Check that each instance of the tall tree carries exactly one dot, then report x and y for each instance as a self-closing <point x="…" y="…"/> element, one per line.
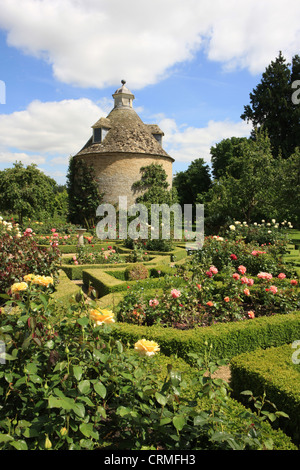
<point x="249" y="192"/>
<point x="83" y="193"/>
<point x="26" y="191"/>
<point x="271" y="106"/>
<point x="192" y="182"/>
<point x="223" y="153"/>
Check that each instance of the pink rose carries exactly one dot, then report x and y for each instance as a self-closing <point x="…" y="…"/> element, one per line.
<point x="242" y="269"/>
<point x="213" y="270"/>
<point x="264" y="276"/>
<point x="175" y="293"/>
<point x="153" y="302"/>
<point x="236" y="276"/>
<point x="281" y="276"/>
<point x="294" y="282"/>
<point x="251" y="314"/>
<point x="250" y="282"/>
<point x="244" y="280"/>
<point x="273" y="289"/>
<point x="246" y="291"/>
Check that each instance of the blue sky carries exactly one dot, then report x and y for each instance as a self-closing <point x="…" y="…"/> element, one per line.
<point x="191" y="66"/>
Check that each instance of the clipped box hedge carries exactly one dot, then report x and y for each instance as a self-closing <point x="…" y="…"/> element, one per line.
<point x="75" y="272"/>
<point x="105" y="283"/>
<point x="65" y="289"/>
<point x="227" y="340"/>
<point x="274" y="372"/>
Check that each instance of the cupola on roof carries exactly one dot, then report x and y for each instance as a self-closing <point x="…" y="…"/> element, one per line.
<point x="123" y="96"/>
<point x="123" y="131"/>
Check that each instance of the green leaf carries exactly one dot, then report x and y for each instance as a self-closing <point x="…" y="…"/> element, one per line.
<point x="6" y="438"/>
<point x="164" y="421"/>
<point x="19" y="445"/>
<point x="162" y="400"/>
<point x="87" y="430"/>
<point x="100" y="389"/>
<point x="77" y="371"/>
<point x="179" y="422"/>
<point x="101" y="411"/>
<point x="123" y="411"/>
<point x="84" y="387"/>
<point x="79" y="409"/>
<point x="84" y="321"/>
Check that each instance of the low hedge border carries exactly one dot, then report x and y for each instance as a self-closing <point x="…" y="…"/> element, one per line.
<point x="105" y="283"/>
<point x="272" y="371"/>
<point x="227" y="340"/>
<point x="65" y="289"/>
<point x="75" y="272"/>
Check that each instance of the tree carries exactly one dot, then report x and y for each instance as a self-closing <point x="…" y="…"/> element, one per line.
<point x="26" y="191"/>
<point x="153" y="186"/>
<point x="287" y="189"/>
<point x="250" y="192"/>
<point x="192" y="182"/>
<point x="223" y="153"/>
<point x="271" y="106"/>
<point x="83" y="193"/>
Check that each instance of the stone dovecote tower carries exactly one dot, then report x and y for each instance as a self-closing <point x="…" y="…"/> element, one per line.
<point x="120" y="145"/>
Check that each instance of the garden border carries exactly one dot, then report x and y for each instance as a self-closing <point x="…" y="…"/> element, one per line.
<point x="226" y="340"/>
<point x="266" y="371"/>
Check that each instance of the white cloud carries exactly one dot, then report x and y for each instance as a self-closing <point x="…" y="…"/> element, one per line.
<point x="58" y="128"/>
<point x="185" y="144"/>
<point x="95" y="43"/>
<point x="12" y="157"/>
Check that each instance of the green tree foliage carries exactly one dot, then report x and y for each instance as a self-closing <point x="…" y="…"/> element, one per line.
<point x="271" y="106"/>
<point x="248" y="189"/>
<point x="83" y="193"/>
<point x="153" y="186"/>
<point x="287" y="189"/>
<point x="192" y="182"/>
<point x="26" y="191"/>
<point x="223" y="153"/>
<point x="61" y="202"/>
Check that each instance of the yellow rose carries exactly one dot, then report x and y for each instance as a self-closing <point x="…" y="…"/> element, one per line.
<point x="19" y="286"/>
<point x="146" y="347"/>
<point x="29" y="277"/>
<point x="102" y="316"/>
<point x="43" y="280"/>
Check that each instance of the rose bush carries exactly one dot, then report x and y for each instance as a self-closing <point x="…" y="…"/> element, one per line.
<point x="210" y="296"/>
<point x="20" y="255"/>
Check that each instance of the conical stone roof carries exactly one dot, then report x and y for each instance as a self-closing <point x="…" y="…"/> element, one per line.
<point x="126" y="132"/>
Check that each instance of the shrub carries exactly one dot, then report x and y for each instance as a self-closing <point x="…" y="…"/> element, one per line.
<point x="272" y="372"/>
<point x="139" y="271"/>
<point x="20" y="255"/>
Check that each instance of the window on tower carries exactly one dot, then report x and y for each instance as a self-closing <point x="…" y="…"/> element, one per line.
<point x="99" y="134"/>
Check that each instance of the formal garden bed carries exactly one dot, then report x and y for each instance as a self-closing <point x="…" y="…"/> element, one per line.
<point x="77" y="365"/>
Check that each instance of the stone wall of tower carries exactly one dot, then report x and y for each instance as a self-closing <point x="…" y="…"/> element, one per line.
<point x="116" y="173"/>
